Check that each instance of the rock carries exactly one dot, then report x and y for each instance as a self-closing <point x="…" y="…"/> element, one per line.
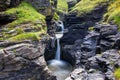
<point x="108" y="30"/>
<point x="25" y="61"/>
<point x="71" y="3"/>
<point x="8" y="3"/>
<point x="5" y="18"/>
<point x="96" y="77"/>
<point x="44" y="6"/>
<point x="113" y="57"/>
<point x="78" y="74"/>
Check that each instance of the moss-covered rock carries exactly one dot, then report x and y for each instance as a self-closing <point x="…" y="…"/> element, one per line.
<point x="86" y="6"/>
<point x="62" y="6"/>
<point x="25" y="13"/>
<point x="29" y="24"/>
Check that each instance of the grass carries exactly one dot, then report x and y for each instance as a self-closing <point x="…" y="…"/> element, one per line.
<point x="117" y="74"/>
<point x="25" y="13"/>
<point x="26" y="36"/>
<point x="113" y="13"/>
<point x="86" y="6"/>
<point x="27" y="16"/>
<point x="62" y="6"/>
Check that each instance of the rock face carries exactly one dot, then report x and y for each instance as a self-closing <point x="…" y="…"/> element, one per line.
<point x="4" y="4"/>
<point x="78" y="25"/>
<point x="24" y="61"/>
<point x="96" y="54"/>
<point x="44" y="6"/>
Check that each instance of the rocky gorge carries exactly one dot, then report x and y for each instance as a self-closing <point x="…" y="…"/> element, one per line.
<point x="27" y="39"/>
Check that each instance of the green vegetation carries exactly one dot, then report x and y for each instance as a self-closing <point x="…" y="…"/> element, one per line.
<point x="117" y="74"/>
<point x="113" y="13"/>
<point x="62" y="6"/>
<point x="26" y="36"/>
<point x="56" y="16"/>
<point x="86" y="6"/>
<point x="91" y="28"/>
<point x="25" y="13"/>
<point x="27" y="18"/>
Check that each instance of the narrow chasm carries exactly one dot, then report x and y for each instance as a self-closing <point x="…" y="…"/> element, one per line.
<point x="61" y="64"/>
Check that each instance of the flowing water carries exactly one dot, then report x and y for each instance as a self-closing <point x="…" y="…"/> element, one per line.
<point x="61" y="69"/>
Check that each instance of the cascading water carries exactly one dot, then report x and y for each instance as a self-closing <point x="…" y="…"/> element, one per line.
<point x="58" y="35"/>
<point x="60" y="68"/>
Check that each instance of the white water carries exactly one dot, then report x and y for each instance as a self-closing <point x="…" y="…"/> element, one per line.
<point x="60" y="68"/>
<point x="58" y="36"/>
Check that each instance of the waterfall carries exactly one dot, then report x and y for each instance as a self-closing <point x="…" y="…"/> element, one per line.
<point x="58" y="35"/>
<point x="61" y="69"/>
<point x="58" y="50"/>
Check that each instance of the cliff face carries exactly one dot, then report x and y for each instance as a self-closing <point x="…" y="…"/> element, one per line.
<point x="23" y="39"/>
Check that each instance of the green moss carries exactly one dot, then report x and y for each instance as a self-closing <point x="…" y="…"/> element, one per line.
<point x="91" y="28"/>
<point x="56" y="16"/>
<point x="117" y="74"/>
<point x="26" y="36"/>
<point x="86" y="6"/>
<point x="27" y="17"/>
<point x="62" y="6"/>
<point x="113" y="13"/>
<point x="25" y="13"/>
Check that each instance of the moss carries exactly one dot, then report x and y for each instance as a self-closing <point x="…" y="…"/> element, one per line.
<point x="62" y="6"/>
<point x="86" y="6"/>
<point x="117" y="74"/>
<point x="26" y="36"/>
<point x="25" y="13"/>
<point x="56" y="16"/>
<point x="91" y="28"/>
<point x="27" y="17"/>
<point x="113" y="13"/>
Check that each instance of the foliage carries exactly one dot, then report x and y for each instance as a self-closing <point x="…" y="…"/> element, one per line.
<point x="117" y="74"/>
<point x="113" y="13"/>
<point x="86" y="6"/>
<point x="62" y="6"/>
<point x="25" y="13"/>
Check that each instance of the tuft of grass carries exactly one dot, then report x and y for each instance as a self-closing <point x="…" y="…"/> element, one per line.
<point x="117" y="74"/>
<point x="113" y="13"/>
<point x="86" y="6"/>
<point x="25" y="13"/>
<point x="62" y="6"/>
<point x="26" y="36"/>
